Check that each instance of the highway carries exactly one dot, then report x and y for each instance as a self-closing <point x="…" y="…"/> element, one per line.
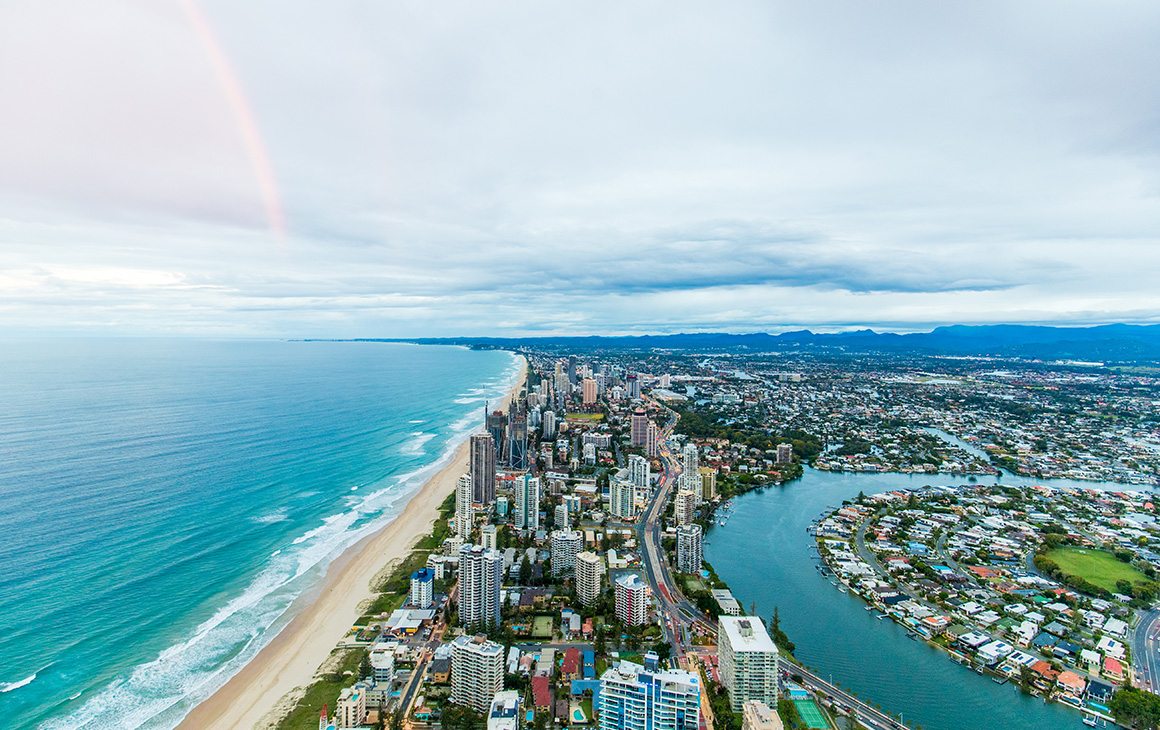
<point x="1146" y="649"/>
<point x="678" y="613"/>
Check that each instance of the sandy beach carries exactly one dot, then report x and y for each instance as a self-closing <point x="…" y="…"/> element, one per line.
<point x="292" y="658"/>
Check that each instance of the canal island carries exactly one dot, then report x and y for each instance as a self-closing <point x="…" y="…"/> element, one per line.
<point x="1049" y="590"/>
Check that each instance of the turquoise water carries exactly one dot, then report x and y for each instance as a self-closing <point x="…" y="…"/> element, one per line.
<point x="763" y="553"/>
<point x="163" y="502"/>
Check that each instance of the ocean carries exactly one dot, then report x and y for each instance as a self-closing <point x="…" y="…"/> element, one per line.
<point x="162" y="502"/>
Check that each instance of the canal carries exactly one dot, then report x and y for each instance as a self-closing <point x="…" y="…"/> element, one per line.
<point x="763" y="553"/>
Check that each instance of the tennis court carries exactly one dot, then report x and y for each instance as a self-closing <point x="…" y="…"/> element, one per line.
<point x="811" y="715"/>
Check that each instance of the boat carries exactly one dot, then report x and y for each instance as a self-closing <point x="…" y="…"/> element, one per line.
<point x="842" y="589"/>
<point x="999" y="680"/>
<point x="881" y="616"/>
<point x="1089" y="721"/>
<point x="869" y="608"/>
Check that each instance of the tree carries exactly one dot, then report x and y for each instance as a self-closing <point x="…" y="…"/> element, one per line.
<point x="364" y="666"/>
<point x="525" y="571"/>
<point x="1026" y="677"/>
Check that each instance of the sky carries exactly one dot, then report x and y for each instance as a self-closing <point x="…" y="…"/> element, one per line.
<point x="403" y="169"/>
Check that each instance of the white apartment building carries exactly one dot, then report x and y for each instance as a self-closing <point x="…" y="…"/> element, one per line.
<point x="476" y="672"/>
<point x="566" y="545"/>
<point x="589" y="569"/>
<point x="634" y="698"/>
<point x="632" y="600"/>
<point x="747" y="661"/>
<point x="480" y="581"/>
<point x="690" y="541"/>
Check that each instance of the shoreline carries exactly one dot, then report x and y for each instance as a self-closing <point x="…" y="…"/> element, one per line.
<point x="292" y="658"/>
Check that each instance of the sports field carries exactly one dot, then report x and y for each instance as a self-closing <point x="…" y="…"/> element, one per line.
<point x="811" y="715"/>
<point x="542" y="627"/>
<point x="1095" y="566"/>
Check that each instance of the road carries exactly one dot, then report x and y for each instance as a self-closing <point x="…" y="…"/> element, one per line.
<point x="1146" y="649"/>
<point x="864" y="713"/>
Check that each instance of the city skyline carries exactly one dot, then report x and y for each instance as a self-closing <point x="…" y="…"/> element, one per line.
<point x="200" y="168"/>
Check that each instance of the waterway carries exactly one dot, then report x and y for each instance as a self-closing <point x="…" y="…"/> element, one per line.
<point x="763" y="553"/>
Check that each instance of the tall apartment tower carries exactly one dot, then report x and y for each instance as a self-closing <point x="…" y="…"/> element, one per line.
<point x="685" y="506"/>
<point x="489" y="537"/>
<point x="589" y="569"/>
<point x="480" y="580"/>
<point x="527" y="514"/>
<point x="632" y="599"/>
<point x="476" y="671"/>
<point x="785" y="453"/>
<point x="639" y="431"/>
<point x="708" y="483"/>
<point x="623" y="499"/>
<point x="422" y="588"/>
<point x="632" y="384"/>
<point x="464" y="507"/>
<point x="548" y="425"/>
<point x="650" y="443"/>
<point x="633" y="697"/>
<point x="639" y="471"/>
<point x="483" y="468"/>
<point x="690" y="542"/>
<point x="589" y="391"/>
<point x="747" y="660"/>
<point x="572" y="369"/>
<point x="566" y="545"/>
<point x="690" y="474"/>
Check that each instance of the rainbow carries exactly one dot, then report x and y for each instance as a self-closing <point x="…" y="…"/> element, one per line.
<point x="247" y="122"/>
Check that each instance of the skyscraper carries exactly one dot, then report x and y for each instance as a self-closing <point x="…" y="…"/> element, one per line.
<point x="708" y="482"/>
<point x="480" y="580"/>
<point x="518" y="441"/>
<point x="548" y="425"/>
<point x="690" y="476"/>
<point x="747" y="660"/>
<point x="483" y="468"/>
<point x="633" y="697"/>
<point x="566" y="545"/>
<point x="632" y="599"/>
<point x="476" y="671"/>
<point x="572" y="369"/>
<point x="623" y="503"/>
<point x="464" y="507"/>
<point x="785" y="453"/>
<point x="650" y="442"/>
<point x="589" y="391"/>
<point x="589" y="569"/>
<point x="685" y="506"/>
<point x="632" y="385"/>
<point x="639" y="471"/>
<point x="497" y="427"/>
<point x="639" y="427"/>
<point x="527" y="514"/>
<point x="689" y="546"/>
<point x="489" y="537"/>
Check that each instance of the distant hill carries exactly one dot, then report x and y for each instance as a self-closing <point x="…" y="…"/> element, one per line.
<point x="1105" y="343"/>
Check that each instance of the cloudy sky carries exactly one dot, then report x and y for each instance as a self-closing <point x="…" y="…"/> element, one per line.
<point x="283" y="168"/>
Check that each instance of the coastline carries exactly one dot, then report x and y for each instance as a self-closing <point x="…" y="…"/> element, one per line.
<point x="292" y="658"/>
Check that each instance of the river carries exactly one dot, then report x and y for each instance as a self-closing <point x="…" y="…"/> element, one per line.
<point x="763" y="553"/>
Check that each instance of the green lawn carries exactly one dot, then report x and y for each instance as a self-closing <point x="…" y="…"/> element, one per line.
<point x="1095" y="566"/>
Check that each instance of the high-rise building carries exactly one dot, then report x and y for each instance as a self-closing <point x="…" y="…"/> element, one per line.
<point x="651" y="439"/>
<point x="639" y="427"/>
<point x="589" y="569"/>
<point x="632" y="600"/>
<point x="476" y="671"/>
<point x="635" y="698"/>
<point x="689" y="545"/>
<point x="480" y="580"/>
<point x="422" y="588"/>
<point x="666" y="380"/>
<point x="623" y="502"/>
<point x="572" y="369"/>
<point x="747" y="660"/>
<point x="708" y="483"/>
<point x="639" y="471"/>
<point x="562" y="520"/>
<point x="785" y="453"/>
<point x="483" y="468"/>
<point x="632" y="385"/>
<point x="566" y="545"/>
<point x="685" y="506"/>
<point x="548" y="425"/>
<point x="352" y="707"/>
<point x="527" y="512"/>
<point x="464" y="507"/>
<point x="589" y="391"/>
<point x="497" y="427"/>
<point x="489" y="537"/>
<point x="690" y="476"/>
<point x="517" y="451"/>
<point x="756" y="715"/>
